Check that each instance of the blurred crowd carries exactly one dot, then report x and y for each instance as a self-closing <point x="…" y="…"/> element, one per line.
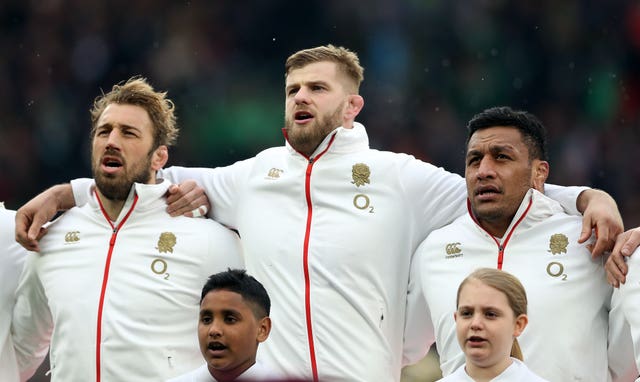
<point x="430" y="65"/>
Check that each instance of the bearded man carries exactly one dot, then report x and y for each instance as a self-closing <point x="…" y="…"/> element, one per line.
<point x="116" y="286"/>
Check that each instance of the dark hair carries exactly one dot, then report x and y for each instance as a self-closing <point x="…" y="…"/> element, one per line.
<point x="238" y="281"/>
<point x="533" y="132"/>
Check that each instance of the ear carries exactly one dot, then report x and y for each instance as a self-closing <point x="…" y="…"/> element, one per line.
<point x="264" y="328"/>
<point x="521" y="323"/>
<point x="539" y="174"/>
<point x="455" y="316"/>
<point x="159" y="157"/>
<point x="354" y="105"/>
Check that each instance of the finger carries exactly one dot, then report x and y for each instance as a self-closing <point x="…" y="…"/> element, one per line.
<point x="585" y="233"/>
<point x="173" y="194"/>
<point x="603" y="242"/>
<point x="618" y="267"/>
<point x="630" y="244"/>
<point x="198" y="212"/>
<point x="612" y="280"/>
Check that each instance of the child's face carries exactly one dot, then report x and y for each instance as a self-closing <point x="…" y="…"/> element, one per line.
<point x="485" y="325"/>
<point x="229" y="333"/>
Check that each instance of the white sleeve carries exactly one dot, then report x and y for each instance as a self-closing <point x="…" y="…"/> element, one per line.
<point x="566" y="196"/>
<point x="222" y="185"/>
<point x="436" y="196"/>
<point x="82" y="188"/>
<point x="418" y="329"/>
<point x="32" y="324"/>
<point x="626" y="302"/>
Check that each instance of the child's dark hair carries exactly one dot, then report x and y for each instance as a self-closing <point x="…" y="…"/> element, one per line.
<point x="238" y="281"/>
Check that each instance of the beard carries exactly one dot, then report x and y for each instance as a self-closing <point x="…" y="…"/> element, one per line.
<point x="117" y="186"/>
<point x="307" y="138"/>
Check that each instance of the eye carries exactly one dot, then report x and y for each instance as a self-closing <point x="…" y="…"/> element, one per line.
<point x="230" y="319"/>
<point x="317" y="88"/>
<point x="503" y="157"/>
<point x="206" y="320"/>
<point x="102" y="132"/>
<point x="292" y="91"/>
<point x="465" y="313"/>
<point x="472" y="160"/>
<point x="491" y="314"/>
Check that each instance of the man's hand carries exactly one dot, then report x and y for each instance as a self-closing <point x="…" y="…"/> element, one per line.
<point x="32" y="216"/>
<point x="188" y="199"/>
<point x="600" y="212"/>
<point x="616" y="267"/>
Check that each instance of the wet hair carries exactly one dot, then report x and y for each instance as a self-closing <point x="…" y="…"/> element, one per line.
<point x="238" y="281"/>
<point x="348" y="62"/>
<point x="509" y="285"/>
<point x="533" y="132"/>
<point x="138" y="92"/>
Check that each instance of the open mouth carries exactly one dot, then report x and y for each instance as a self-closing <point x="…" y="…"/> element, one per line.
<point x="216" y="346"/>
<point x="302" y="116"/>
<point x="475" y="340"/>
<point x="487" y="190"/>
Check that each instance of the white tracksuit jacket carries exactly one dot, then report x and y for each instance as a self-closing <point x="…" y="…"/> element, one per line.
<point x="12" y="257"/>
<point x="627" y="299"/>
<point x="331" y="239"/>
<point x="569" y="298"/>
<point x="120" y="301"/>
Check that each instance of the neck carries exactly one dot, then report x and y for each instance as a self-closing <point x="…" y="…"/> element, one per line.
<point x="497" y="229"/>
<point x="111" y="207"/>
<point x="486" y="374"/>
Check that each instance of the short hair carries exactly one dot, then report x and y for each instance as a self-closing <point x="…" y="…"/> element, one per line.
<point x="137" y="91"/>
<point x="533" y="132"/>
<point x="348" y="61"/>
<point x="506" y="283"/>
<point x="238" y="281"/>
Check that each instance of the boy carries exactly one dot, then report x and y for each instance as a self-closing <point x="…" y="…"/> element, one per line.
<point x="234" y="319"/>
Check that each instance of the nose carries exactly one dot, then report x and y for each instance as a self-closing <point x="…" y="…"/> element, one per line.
<point x="215" y="329"/>
<point x="113" y="140"/>
<point x="301" y="96"/>
<point x="486" y="168"/>
<point x="476" y="322"/>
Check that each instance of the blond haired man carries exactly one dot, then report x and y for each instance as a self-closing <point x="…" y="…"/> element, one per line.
<point x="116" y="284"/>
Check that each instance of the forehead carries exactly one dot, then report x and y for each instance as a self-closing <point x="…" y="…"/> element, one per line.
<point x="221" y="299"/>
<point x="125" y="114"/>
<point x="323" y="71"/>
<point x="496" y="135"/>
<point x="476" y="293"/>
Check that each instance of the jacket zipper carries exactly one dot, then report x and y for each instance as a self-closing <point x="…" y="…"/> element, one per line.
<point x="105" y="277"/>
<point x="503" y="245"/>
<point x="305" y="259"/>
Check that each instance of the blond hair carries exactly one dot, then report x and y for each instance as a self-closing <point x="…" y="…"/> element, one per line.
<point x="347" y="61"/>
<point x="137" y="91"/>
<point x="508" y="284"/>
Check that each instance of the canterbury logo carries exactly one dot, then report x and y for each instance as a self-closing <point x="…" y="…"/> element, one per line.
<point x="452" y="248"/>
<point x="274" y="173"/>
<point x="72" y="237"/>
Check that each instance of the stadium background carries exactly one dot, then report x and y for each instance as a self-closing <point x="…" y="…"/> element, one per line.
<point x="430" y="65"/>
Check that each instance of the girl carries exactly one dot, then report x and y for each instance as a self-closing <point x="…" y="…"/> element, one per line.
<point x="491" y="313"/>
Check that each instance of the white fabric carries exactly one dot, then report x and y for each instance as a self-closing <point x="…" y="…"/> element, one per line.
<point x="627" y="298"/>
<point x="12" y="257"/>
<point x="151" y="303"/>
<point x="257" y="372"/>
<point x="516" y="372"/>
<point x="567" y="335"/>
<point x="361" y="236"/>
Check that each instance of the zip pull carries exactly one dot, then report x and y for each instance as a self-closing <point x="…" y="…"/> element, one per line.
<point x="500" y="256"/>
